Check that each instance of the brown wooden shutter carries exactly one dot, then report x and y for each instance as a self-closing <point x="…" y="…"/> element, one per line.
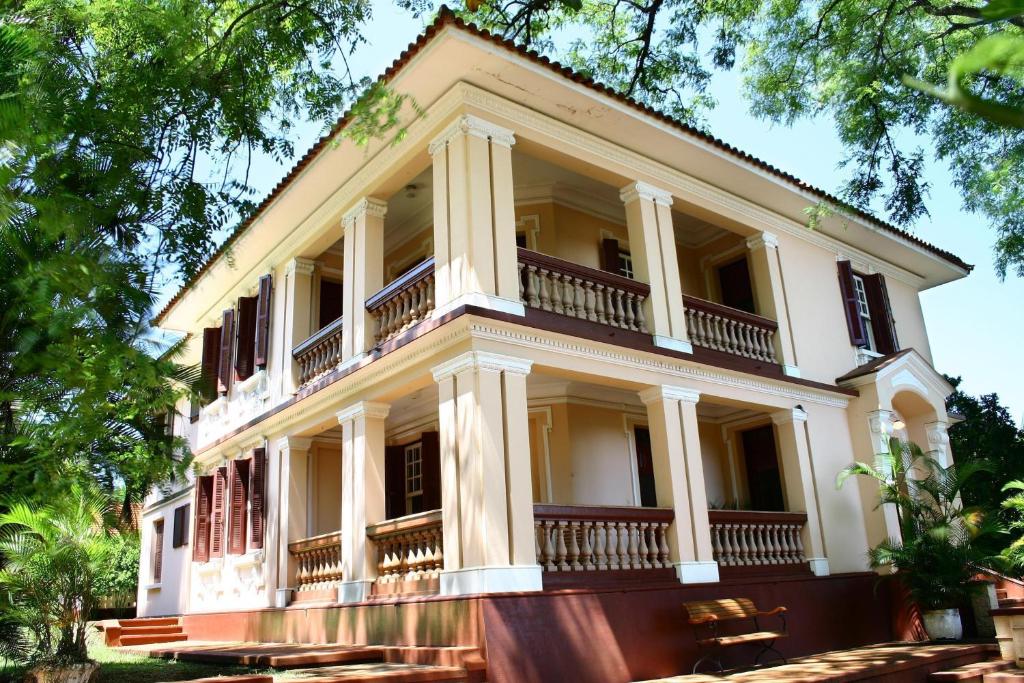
<point x="610" y="255"/>
<point x="217" y="512"/>
<point x="394" y="481"/>
<point x="263" y="320"/>
<point x="258" y="492"/>
<point x="227" y="339"/>
<point x="158" y="550"/>
<point x="204" y="502"/>
<point x="179" y="534"/>
<point x="858" y="335"/>
<point x="239" y="478"/>
<point x="210" y="362"/>
<point x="882" y="321"/>
<point x="245" y="337"/>
<point x="431" y="452"/>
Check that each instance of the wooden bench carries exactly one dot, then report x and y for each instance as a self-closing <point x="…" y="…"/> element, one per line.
<point x="707" y="615"/>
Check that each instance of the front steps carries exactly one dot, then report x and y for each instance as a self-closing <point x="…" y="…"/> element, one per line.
<point x="979" y="672"/>
<point x="128" y="632"/>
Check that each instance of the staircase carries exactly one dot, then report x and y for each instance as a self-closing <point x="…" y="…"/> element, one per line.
<point x="991" y="671"/>
<point x="125" y="632"/>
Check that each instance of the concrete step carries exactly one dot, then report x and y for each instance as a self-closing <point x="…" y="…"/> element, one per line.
<point x="277" y="656"/>
<point x="150" y="630"/>
<point x="1008" y="676"/>
<point x="128" y="640"/>
<point x="382" y="673"/>
<point x="249" y="678"/>
<point x="149" y="621"/>
<point x="970" y="673"/>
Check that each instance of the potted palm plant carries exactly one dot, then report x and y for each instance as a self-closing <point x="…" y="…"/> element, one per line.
<point x="52" y="555"/>
<point x="935" y="556"/>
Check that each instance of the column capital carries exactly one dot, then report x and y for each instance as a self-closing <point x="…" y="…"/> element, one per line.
<point x="365" y="409"/>
<point x="302" y="266"/>
<point x="881" y="421"/>
<point x="370" y="206"/>
<point x="783" y="417"/>
<point x="482" y="360"/>
<point x="937" y="433"/>
<point x="294" y="443"/>
<point x="467" y="124"/>
<point x="669" y="393"/>
<point x="763" y="240"/>
<point x="641" y="190"/>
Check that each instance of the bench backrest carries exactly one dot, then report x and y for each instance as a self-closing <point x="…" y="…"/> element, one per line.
<point x="723" y="610"/>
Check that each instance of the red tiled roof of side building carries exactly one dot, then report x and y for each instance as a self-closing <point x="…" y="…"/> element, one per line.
<point x="446" y="17"/>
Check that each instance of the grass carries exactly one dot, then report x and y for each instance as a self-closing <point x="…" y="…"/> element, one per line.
<point x="122" y="667"/>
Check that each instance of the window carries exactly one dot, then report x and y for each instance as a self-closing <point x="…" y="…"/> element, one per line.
<point x="179" y="533"/>
<point x="413" y="478"/>
<point x="625" y="264"/>
<point x="157" y="557"/>
<point x="864" y="310"/>
<point x="521" y="240"/>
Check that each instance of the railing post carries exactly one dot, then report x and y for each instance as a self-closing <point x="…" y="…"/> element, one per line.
<point x="362" y="494"/>
<point x="292" y="467"/>
<point x="770" y="295"/>
<point x="679" y="479"/>
<point x="652" y="245"/>
<point x="364" y="274"/>
<point x="474" y="217"/>
<point x="485" y="470"/>
<point x="800" y="487"/>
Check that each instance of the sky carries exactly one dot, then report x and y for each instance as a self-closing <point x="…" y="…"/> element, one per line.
<point x="975" y="325"/>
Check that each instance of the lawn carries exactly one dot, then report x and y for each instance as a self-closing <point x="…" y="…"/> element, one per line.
<point x="121" y="667"/>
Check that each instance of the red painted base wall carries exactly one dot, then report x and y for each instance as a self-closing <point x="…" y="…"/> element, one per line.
<point x="607" y="635"/>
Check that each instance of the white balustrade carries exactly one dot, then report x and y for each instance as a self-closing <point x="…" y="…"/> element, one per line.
<point x="318" y="562"/>
<point x="403" y="303"/>
<point x="320" y="353"/>
<point x="409" y="548"/>
<point x="721" y="328"/>
<point x="578" y="538"/>
<point x="551" y="284"/>
<point x="748" y="539"/>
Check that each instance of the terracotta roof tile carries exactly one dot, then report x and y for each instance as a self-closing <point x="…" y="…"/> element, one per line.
<point x="445" y="18"/>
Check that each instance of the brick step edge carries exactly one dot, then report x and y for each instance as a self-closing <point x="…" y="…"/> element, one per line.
<point x="253" y="678"/>
<point x="970" y="673"/>
<point x="149" y="621"/>
<point x="151" y="639"/>
<point x="149" y="630"/>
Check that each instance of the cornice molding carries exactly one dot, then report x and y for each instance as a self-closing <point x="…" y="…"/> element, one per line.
<point x="367" y="206"/>
<point x="467" y="124"/>
<point x="667" y="392"/>
<point x="783" y="417"/>
<point x="763" y="240"/>
<point x="292" y="443"/>
<point x="481" y="360"/>
<point x="371" y="410"/>
<point x="641" y="190"/>
<point x="302" y="266"/>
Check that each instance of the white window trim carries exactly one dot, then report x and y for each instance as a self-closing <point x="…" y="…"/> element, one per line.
<point x="416" y="450"/>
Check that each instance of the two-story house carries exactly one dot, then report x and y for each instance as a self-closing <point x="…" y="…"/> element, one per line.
<point x="532" y="375"/>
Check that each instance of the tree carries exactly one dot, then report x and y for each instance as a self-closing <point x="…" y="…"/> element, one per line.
<point x="848" y="60"/>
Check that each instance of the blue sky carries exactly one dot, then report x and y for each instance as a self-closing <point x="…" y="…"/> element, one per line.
<point x="976" y="325"/>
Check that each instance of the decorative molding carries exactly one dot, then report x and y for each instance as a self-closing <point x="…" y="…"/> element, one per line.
<point x="302" y="266"/>
<point x="367" y="206"/>
<point x="765" y="239"/>
<point x="467" y="124"/>
<point x="937" y="434"/>
<point x="364" y="409"/>
<point x="481" y="360"/>
<point x="670" y="393"/>
<point x="782" y="417"/>
<point x="530" y="225"/>
<point x="294" y="443"/>
<point x="641" y="190"/>
<point x="572" y="197"/>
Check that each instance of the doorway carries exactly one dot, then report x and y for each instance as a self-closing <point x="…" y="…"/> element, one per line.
<point x="645" y="467"/>
<point x="734" y="283"/>
<point x="764" y="479"/>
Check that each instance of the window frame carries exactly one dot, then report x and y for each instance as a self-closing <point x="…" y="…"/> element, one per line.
<point x="626" y="264"/>
<point x="864" y="310"/>
<point x="156" y="552"/>
<point x="413" y="470"/>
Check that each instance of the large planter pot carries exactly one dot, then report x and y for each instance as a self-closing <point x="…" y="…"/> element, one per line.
<point x="73" y="673"/>
<point x="943" y="624"/>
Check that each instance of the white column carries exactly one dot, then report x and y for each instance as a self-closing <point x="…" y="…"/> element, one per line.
<point x="652" y="245"/>
<point x="475" y="259"/>
<point x="487" y="499"/>
<point x="292" y="466"/>
<point x="770" y="295"/>
<point x="880" y="423"/>
<point x="679" y="479"/>
<point x="937" y="434"/>
<point x="362" y="495"/>
<point x="298" y="316"/>
<point x="364" y="275"/>
<point x="799" y="482"/>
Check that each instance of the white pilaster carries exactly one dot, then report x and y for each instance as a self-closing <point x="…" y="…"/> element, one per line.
<point x="298" y="315"/>
<point x="679" y="479"/>
<point x="292" y="455"/>
<point x="475" y="259"/>
<point x="799" y="482"/>
<point x="652" y="246"/>
<point x="770" y="295"/>
<point x="364" y="274"/>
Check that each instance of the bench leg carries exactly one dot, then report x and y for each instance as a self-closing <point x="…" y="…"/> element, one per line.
<point x="708" y="657"/>
<point x="769" y="647"/>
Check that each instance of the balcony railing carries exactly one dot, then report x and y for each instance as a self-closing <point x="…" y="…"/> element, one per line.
<point x="405" y="302"/>
<point x="551" y="284"/>
<point x="757" y="539"/>
<point x="577" y="538"/>
<point x="318" y="563"/>
<point x="320" y="353"/>
<point x="410" y="552"/>
<point x="720" y="328"/>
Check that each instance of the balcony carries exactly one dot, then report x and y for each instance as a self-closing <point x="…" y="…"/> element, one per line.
<point x="317" y="567"/>
<point x="730" y="330"/>
<point x="751" y="542"/>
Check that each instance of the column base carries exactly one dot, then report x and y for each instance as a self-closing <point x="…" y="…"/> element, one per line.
<point x="481" y="300"/>
<point x="491" y="580"/>
<point x="819" y="566"/>
<point x="351" y="361"/>
<point x="354" y="591"/>
<point x="791" y="371"/>
<point x="697" y="572"/>
<point x="282" y="597"/>
<point x="673" y="344"/>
